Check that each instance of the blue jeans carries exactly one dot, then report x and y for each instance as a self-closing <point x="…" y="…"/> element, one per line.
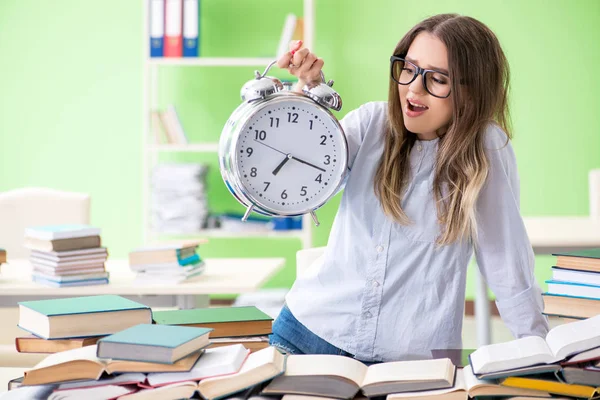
<point x="290" y="336"/>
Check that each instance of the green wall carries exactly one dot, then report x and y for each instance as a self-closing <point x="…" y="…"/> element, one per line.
<point x="71" y="96"/>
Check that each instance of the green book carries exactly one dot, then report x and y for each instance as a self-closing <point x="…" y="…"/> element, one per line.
<point x="585" y="253"/>
<point x="81" y="316"/>
<point x="225" y="321"/>
<point x="153" y="343"/>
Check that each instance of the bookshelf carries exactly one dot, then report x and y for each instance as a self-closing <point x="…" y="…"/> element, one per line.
<point x="152" y="150"/>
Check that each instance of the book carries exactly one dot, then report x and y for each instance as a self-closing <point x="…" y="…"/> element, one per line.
<point x="181" y="257"/>
<point x="71" y="244"/>
<point x="252" y="343"/>
<point x="130" y="378"/>
<point x="28" y="393"/>
<point x="225" y="321"/>
<point x="81" y="316"/>
<point x="153" y="343"/>
<point x="551" y="385"/>
<point x="67" y="231"/>
<point x="343" y="377"/>
<point x="214" y="362"/>
<point x="2" y="256"/>
<point x="575" y="276"/>
<point x="583" y="260"/>
<point x="574" y="289"/>
<point x="191" y="18"/>
<point x="173" y="45"/>
<point x="99" y="253"/>
<point x="567" y="306"/>
<point x="173" y="124"/>
<point x="259" y="367"/>
<point x="66" y="278"/>
<point x="157" y="27"/>
<point x="81" y="282"/>
<point x="181" y="390"/>
<point x="583" y="357"/>
<point x="522" y="371"/>
<point x="82" y="364"/>
<point x="467" y="385"/>
<point x="94" y="392"/>
<point x="34" y="344"/>
<point x="561" y="342"/>
<point x="587" y="376"/>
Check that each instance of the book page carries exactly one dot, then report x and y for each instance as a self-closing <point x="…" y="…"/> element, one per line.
<point x="470" y="380"/>
<point x="508" y="355"/>
<point x="459" y="386"/>
<point x="84" y="353"/>
<point x="407" y="371"/>
<point x="323" y="364"/>
<point x="574" y="337"/>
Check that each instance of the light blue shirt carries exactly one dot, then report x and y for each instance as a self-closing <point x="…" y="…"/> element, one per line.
<point x="383" y="291"/>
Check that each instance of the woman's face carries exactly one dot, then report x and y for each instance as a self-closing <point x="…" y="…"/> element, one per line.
<point x="425" y="115"/>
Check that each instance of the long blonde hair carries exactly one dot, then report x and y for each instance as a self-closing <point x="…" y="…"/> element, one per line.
<point x="479" y="75"/>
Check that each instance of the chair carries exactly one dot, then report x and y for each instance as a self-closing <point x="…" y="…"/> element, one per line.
<point x="19" y="209"/>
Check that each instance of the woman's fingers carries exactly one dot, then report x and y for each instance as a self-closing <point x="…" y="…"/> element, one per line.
<point x="286" y="59"/>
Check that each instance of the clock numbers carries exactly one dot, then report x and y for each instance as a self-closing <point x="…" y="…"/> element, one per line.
<point x="267" y="186"/>
<point x="260" y="135"/>
<point x="284" y="194"/>
<point x="311" y="124"/>
<point x="323" y="140"/>
<point x="274" y="122"/>
<point x="249" y="151"/>
<point x="293" y="118"/>
<point x="303" y="191"/>
<point x="253" y="172"/>
<point x="327" y="159"/>
<point x="319" y="178"/>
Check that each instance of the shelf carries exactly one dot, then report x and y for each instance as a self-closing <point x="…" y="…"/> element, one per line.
<point x="557" y="233"/>
<point x="220" y="233"/>
<point x="212" y="61"/>
<point x="185" y="148"/>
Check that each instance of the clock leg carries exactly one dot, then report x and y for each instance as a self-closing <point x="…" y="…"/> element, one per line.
<point x="247" y="213"/>
<point x="314" y="218"/>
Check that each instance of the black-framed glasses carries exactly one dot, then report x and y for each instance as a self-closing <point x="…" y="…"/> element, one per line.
<point x="404" y="72"/>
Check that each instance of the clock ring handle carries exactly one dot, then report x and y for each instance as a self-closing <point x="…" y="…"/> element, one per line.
<point x="258" y="75"/>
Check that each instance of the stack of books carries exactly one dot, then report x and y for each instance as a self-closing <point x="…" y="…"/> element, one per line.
<point x="67" y="255"/>
<point x="168" y="263"/>
<point x="574" y="290"/>
<point x="565" y="363"/>
<point x="248" y="326"/>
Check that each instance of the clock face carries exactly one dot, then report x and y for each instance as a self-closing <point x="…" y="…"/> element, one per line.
<point x="291" y="156"/>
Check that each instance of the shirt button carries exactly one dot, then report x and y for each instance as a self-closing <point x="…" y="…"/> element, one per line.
<point x="379" y="248"/>
<point x="367" y="314"/>
<point x="375" y="283"/>
<point x="419" y="147"/>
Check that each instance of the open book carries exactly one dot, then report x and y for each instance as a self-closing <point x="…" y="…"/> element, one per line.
<point x="82" y="364"/>
<point x="467" y="385"/>
<point x="342" y="377"/>
<point x="561" y="342"/>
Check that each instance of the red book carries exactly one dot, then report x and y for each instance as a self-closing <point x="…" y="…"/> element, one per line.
<point x="173" y="28"/>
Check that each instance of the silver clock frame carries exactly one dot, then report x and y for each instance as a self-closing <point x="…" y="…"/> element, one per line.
<point x="228" y="157"/>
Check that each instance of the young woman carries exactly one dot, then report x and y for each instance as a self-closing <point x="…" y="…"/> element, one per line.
<point x="433" y="179"/>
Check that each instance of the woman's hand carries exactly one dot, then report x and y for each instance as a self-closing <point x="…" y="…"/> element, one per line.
<point x="301" y="63"/>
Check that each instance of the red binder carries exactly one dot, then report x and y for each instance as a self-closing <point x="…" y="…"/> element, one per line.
<point x="173" y="28"/>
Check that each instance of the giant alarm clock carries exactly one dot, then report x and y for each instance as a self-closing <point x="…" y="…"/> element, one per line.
<point x="283" y="153"/>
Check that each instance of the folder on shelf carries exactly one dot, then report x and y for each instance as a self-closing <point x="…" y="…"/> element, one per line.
<point x="191" y="18"/>
<point x="157" y="27"/>
<point x="173" y="28"/>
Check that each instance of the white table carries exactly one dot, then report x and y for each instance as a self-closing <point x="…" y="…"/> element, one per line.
<point x="547" y="235"/>
<point x="222" y="276"/>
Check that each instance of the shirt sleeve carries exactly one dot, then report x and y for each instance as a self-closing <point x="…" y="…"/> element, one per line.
<point x="503" y="252"/>
<point x="355" y="125"/>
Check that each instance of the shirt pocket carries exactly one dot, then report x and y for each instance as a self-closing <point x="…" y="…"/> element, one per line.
<point x="419" y="206"/>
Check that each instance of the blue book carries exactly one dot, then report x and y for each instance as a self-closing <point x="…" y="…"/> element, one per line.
<point x="81" y="316"/>
<point x="163" y="344"/>
<point x="191" y="18"/>
<point x="79" y="282"/>
<point x="157" y="27"/>
<point x="573" y="289"/>
<point x="65" y="231"/>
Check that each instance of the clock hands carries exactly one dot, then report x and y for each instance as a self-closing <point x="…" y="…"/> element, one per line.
<point x="281" y="164"/>
<point x="288" y="156"/>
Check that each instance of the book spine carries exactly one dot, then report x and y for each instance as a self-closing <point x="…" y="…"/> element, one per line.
<point x="191" y="19"/>
<point x="157" y="27"/>
<point x="189" y="260"/>
<point x="173" y="31"/>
